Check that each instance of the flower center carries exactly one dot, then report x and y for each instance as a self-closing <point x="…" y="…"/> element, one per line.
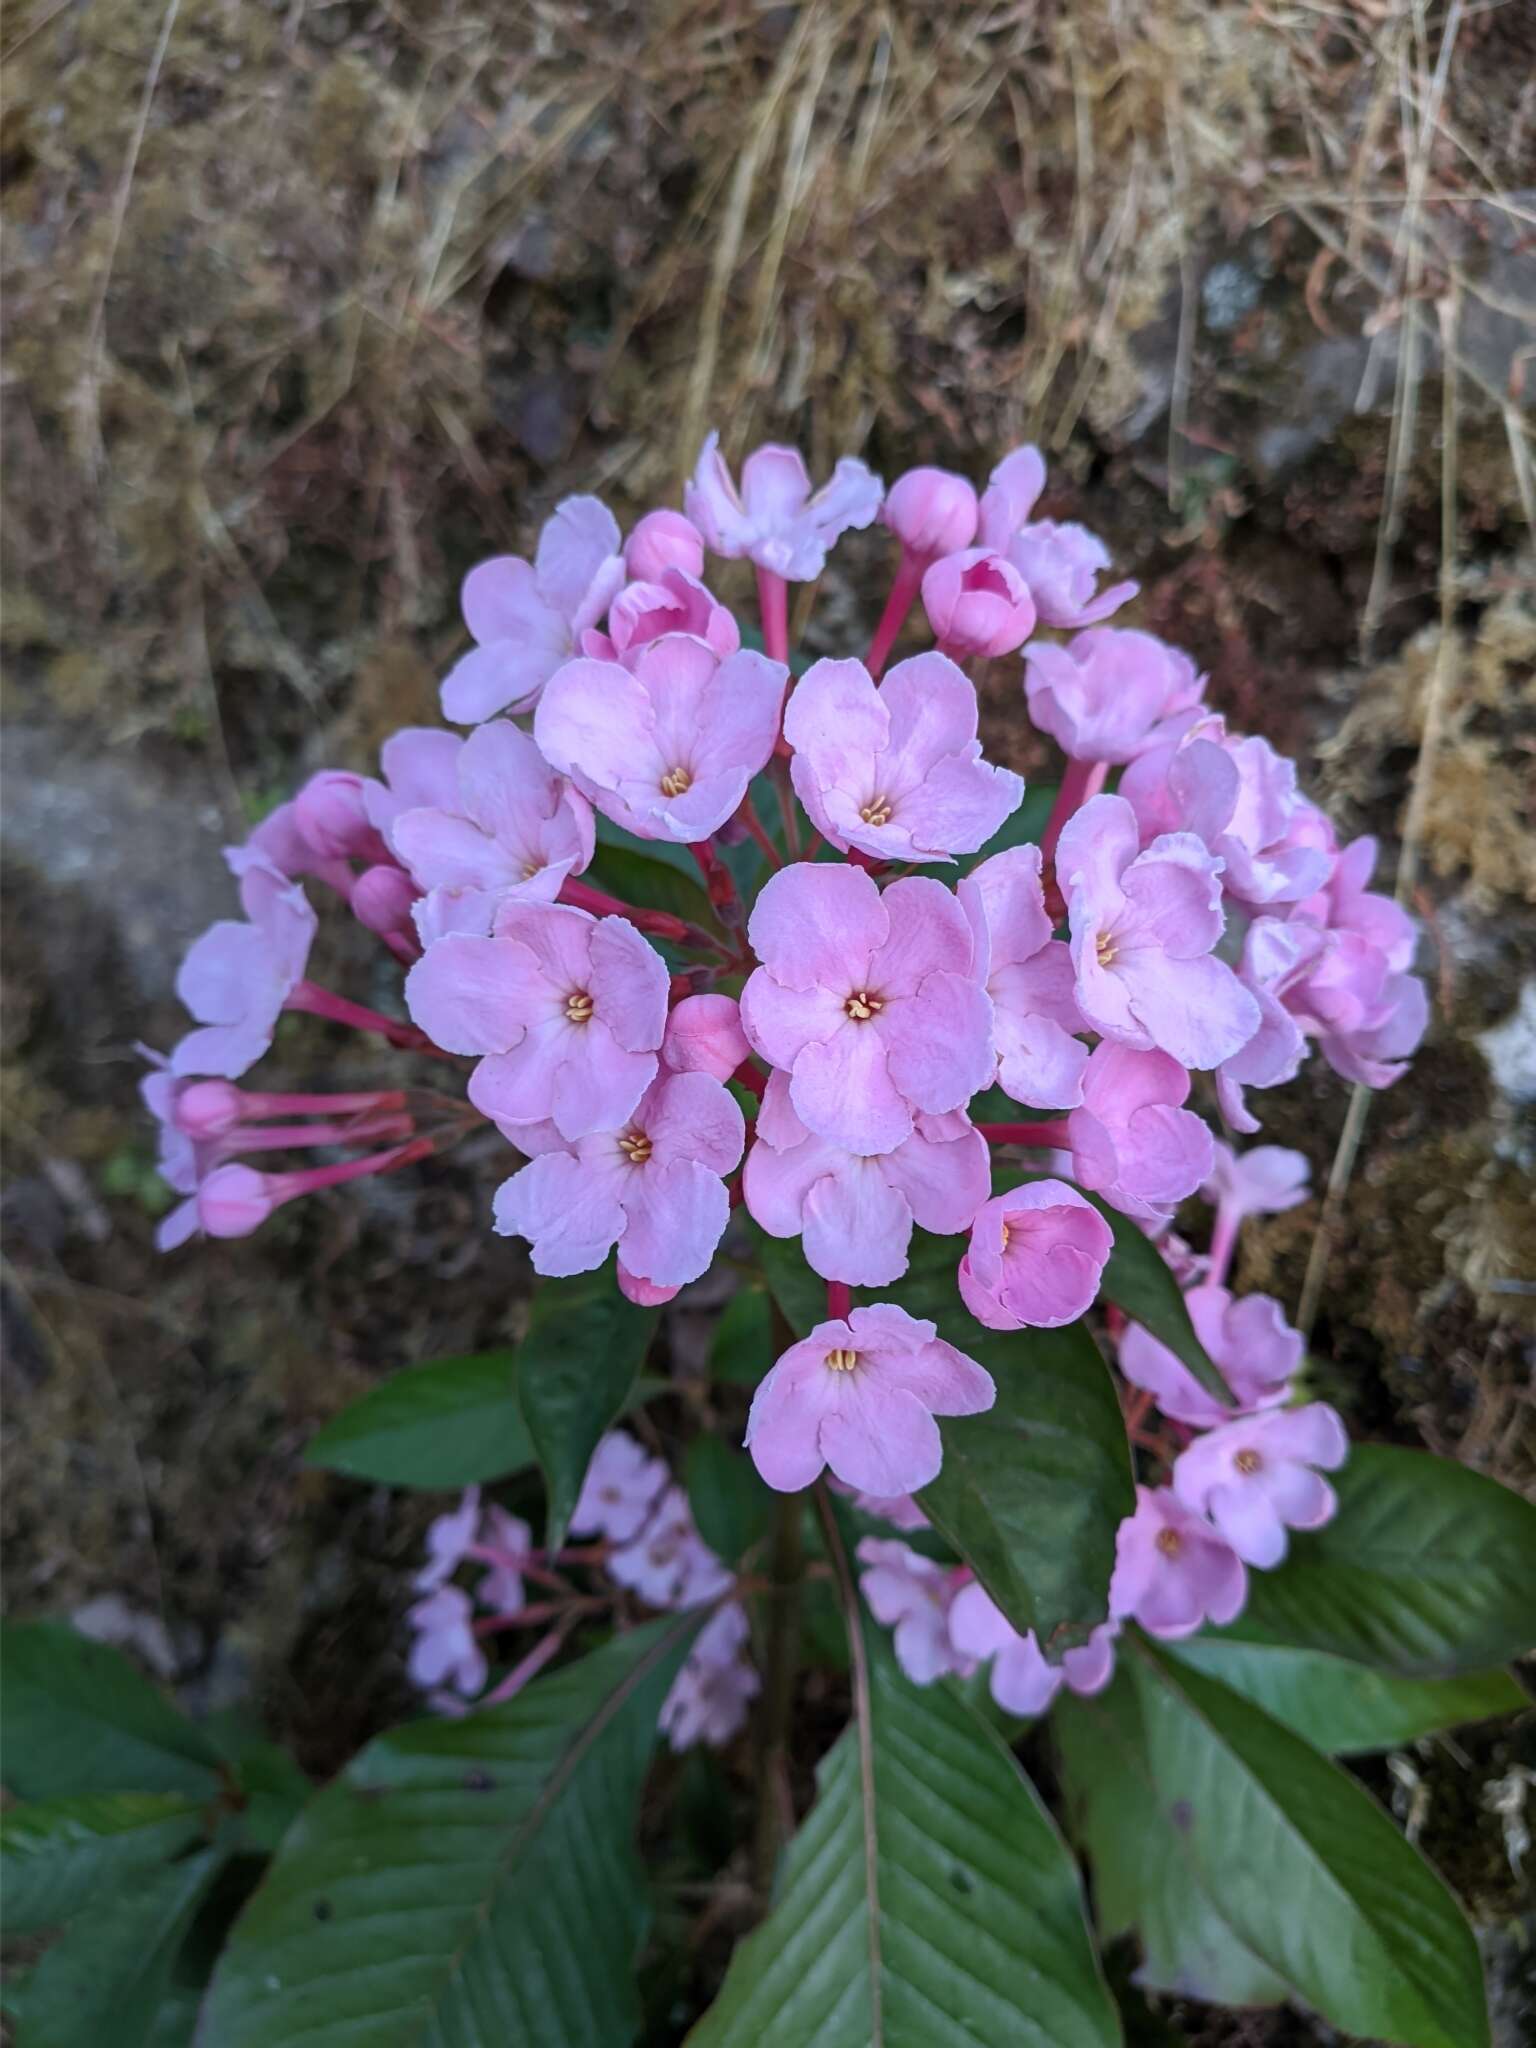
<point x="532" y="868"/>
<point x="578" y="1006"/>
<point x="636" y="1147"/>
<point x="676" y="782"/>
<point x="861" y="1006"/>
<point x="1007" y="1238"/>
<point x="1169" y="1542"/>
<point x="1104" y="946"/>
<point x="1248" y="1462"/>
<point x="877" y="811"/>
<point x="842" y="1360"/>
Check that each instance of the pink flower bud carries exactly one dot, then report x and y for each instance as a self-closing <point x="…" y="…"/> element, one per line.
<point x="931" y="512"/>
<point x="235" y="1200"/>
<point x="643" y="1293"/>
<point x="382" y="900"/>
<point x="1036" y="1258"/>
<point x="331" y="814"/>
<point x="704" y="1036"/>
<point x="977" y="604"/>
<point x="207" y="1109"/>
<point x="664" y="540"/>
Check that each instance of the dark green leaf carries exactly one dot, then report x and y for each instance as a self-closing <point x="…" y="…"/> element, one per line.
<point x="742" y="1348"/>
<point x="730" y="1503"/>
<point x="1032" y="1492"/>
<point x="575" y="1369"/>
<point x="76" y="1717"/>
<point x="106" y="1979"/>
<point x="943" y="1911"/>
<point x="452" y="1423"/>
<point x="1345" y="1708"/>
<point x="1428" y="1569"/>
<point x="55" y="1854"/>
<point x="471" y="1882"/>
<point x="662" y="878"/>
<point x="1139" y="1280"/>
<point x="800" y="1293"/>
<point x="1310" y="1873"/>
<point x="1144" y="1881"/>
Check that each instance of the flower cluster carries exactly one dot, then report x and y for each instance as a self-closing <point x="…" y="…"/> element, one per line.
<point x="813" y="1030"/>
<point x="646" y="1544"/>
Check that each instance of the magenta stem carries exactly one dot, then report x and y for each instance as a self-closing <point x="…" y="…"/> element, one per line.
<point x="293" y="1137"/>
<point x="1082" y="780"/>
<point x="309" y="1182"/>
<point x="1051" y="1134"/>
<point x="319" y="1002"/>
<point x="755" y="826"/>
<point x="529" y="1667"/>
<point x="752" y="1077"/>
<point x="254" y="1105"/>
<point x="1223" y="1243"/>
<point x="908" y="581"/>
<point x="779" y="769"/>
<point x="839" y="1301"/>
<point x="773" y="601"/>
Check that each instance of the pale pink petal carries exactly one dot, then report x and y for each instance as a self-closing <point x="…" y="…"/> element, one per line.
<point x="677" y="1213"/>
<point x="628" y="984"/>
<point x="856" y="1225"/>
<point x="842" y="1089"/>
<point x="571" y="1218"/>
<point x="577" y="547"/>
<point x="817" y="926"/>
<point x="879" y="1439"/>
<point x="938" y="1042"/>
<point x="470" y="995"/>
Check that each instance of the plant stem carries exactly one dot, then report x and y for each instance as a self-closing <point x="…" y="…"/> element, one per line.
<point x="1051" y="1133"/>
<point x="904" y="588"/>
<point x="781" y="1658"/>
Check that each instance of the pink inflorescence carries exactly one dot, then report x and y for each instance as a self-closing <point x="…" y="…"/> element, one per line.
<point x="832" y="1023"/>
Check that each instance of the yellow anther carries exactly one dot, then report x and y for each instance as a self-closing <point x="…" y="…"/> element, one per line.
<point x="1104" y="946"/>
<point x="636" y="1147"/>
<point x="842" y="1360"/>
<point x="578" y="1007"/>
<point x="676" y="782"/>
<point x="861" y="1006"/>
<point x="1248" y="1462"/>
<point x="1169" y="1542"/>
<point x="877" y="811"/>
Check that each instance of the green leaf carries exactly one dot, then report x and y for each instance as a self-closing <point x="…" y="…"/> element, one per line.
<point x="452" y="1423"/>
<point x="1032" y="1492"/>
<point x="75" y="1716"/>
<point x="575" y="1369"/>
<point x="942" y="1909"/>
<point x="662" y="878"/>
<point x="742" y="1348"/>
<point x="56" y="1853"/>
<point x="1139" y="1280"/>
<point x="1310" y="1873"/>
<point x="1144" y="1881"/>
<point x="106" y="1979"/>
<point x="1345" y="1708"/>
<point x="471" y="1882"/>
<point x="800" y="1293"/>
<point x="1428" y="1569"/>
<point x="730" y="1503"/>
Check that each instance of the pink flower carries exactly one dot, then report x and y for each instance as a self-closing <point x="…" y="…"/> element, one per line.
<point x="234" y="1200"/>
<point x="528" y="618"/>
<point x="1108" y="694"/>
<point x="669" y="1564"/>
<point x="1131" y="1141"/>
<point x="1036" y="1258"/>
<point x="704" y="1036"/>
<point x="1029" y="977"/>
<point x="710" y="1695"/>
<point x="912" y="1595"/>
<point x="899" y="1509"/>
<point x="1254" y="1478"/>
<point x="1275" y="958"/>
<point x="384" y="901"/>
<point x="895" y="769"/>
<point x="566" y="1010"/>
<point x="420" y="771"/>
<point x="1368" y="1011"/>
<point x="1253" y="1346"/>
<point x="860" y="1396"/>
<point x="185" y="1157"/>
<point x="643" y="1293"/>
<point x="931" y="512"/>
<point x="665" y="748"/>
<point x="446" y="1650"/>
<point x="856" y="1212"/>
<point x="1172" y="1571"/>
<point x="664" y="540"/>
<point x="331" y="812"/>
<point x="1021" y="1681"/>
<point x="510" y="1541"/>
<point x="1263" y="1181"/>
<point x="977" y="604"/>
<point x="1143" y="926"/>
<point x="653" y="1188"/>
<point x="1061" y="564"/>
<point x="448" y="1539"/>
<point x="619" y="1491"/>
<point x="1240" y="798"/>
<point x="866" y="1001"/>
<point x="513" y="832"/>
<point x="775" y="519"/>
<point x="237" y="978"/>
<point x="674" y="602"/>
